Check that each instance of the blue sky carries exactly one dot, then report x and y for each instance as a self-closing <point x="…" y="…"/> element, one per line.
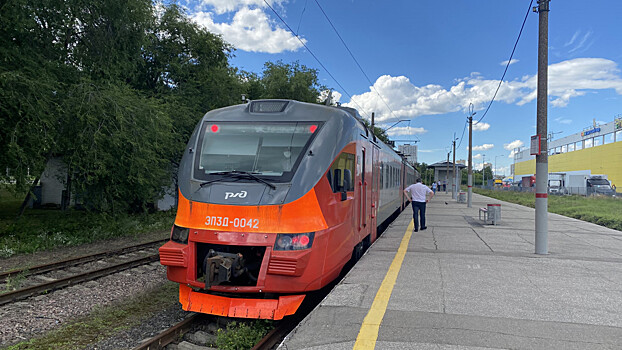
<point x="429" y="60"/>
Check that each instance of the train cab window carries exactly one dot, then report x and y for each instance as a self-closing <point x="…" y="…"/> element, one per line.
<point x="341" y="172"/>
<point x="267" y="149"/>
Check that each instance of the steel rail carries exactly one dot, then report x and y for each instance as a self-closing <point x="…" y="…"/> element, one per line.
<point x="25" y="272"/>
<point x="71" y="280"/>
<point x="273" y="337"/>
<point x="168" y="336"/>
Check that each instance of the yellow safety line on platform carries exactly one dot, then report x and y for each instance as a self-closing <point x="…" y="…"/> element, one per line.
<point x="371" y="324"/>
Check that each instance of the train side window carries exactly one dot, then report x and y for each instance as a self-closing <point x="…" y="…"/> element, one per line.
<point x="342" y="170"/>
<point x="381" y="177"/>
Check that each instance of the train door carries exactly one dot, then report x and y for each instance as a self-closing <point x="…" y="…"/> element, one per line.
<point x="363" y="194"/>
<point x="375" y="191"/>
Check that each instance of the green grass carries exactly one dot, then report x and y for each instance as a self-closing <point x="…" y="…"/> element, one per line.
<point x="105" y="322"/>
<point x="13" y="282"/>
<point x="44" y="229"/>
<point x="604" y="211"/>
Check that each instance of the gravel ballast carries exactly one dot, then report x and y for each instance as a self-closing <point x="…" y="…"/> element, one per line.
<point x="31" y="317"/>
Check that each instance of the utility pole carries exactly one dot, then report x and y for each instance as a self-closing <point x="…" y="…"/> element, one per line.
<point x="470" y="171"/>
<point x="453" y="182"/>
<point x="542" y="159"/>
<point x="447" y="172"/>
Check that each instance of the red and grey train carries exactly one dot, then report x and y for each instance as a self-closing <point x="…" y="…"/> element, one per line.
<point x="275" y="197"/>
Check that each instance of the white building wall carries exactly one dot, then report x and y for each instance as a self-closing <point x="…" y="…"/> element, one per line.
<point x="53" y="181"/>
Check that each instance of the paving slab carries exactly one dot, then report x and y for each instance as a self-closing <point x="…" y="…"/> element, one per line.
<point x="464" y="284"/>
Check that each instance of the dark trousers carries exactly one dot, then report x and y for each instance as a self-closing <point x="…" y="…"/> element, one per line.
<point x="418" y="207"/>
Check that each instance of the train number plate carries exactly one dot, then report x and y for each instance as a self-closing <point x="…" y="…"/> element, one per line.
<point x="225" y="221"/>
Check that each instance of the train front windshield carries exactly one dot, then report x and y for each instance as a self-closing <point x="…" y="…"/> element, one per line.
<point x="269" y="149"/>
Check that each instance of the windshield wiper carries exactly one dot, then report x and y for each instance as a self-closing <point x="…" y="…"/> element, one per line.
<point x="238" y="174"/>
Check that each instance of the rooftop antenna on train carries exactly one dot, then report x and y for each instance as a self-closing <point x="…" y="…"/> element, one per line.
<point x="329" y="97"/>
<point x="244" y="99"/>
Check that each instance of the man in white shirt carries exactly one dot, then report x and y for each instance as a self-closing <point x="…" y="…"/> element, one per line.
<point x="418" y="194"/>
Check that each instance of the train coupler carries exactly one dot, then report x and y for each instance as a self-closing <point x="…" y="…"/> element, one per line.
<point x="220" y="267"/>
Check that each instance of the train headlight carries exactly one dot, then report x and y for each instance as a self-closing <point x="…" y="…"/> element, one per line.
<point x="180" y="234"/>
<point x="297" y="241"/>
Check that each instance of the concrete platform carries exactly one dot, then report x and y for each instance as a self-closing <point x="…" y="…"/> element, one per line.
<point x="463" y="284"/>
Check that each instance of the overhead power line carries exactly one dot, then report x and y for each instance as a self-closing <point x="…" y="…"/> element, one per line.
<point x="462" y="136"/>
<point x="509" y="61"/>
<point x="355" y="60"/>
<point x="316" y="58"/>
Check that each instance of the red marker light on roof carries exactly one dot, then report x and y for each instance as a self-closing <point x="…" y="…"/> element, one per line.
<point x="312" y="128"/>
<point x="215" y="128"/>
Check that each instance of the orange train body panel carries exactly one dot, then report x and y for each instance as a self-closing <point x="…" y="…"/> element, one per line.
<point x="269" y="309"/>
<point x="300" y="215"/>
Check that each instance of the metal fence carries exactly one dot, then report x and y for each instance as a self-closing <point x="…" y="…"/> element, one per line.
<point x="581" y="191"/>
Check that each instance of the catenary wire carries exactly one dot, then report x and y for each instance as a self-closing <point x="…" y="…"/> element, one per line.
<point x="301" y="15"/>
<point x="317" y="59"/>
<point x="509" y="61"/>
<point x="355" y="60"/>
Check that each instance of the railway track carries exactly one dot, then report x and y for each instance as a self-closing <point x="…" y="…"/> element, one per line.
<point x="48" y="277"/>
<point x="176" y="332"/>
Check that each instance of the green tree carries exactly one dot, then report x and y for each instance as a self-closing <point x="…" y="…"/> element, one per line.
<point x="187" y="68"/>
<point x="116" y="147"/>
<point x="488" y="173"/>
<point x="66" y="66"/>
<point x="290" y="81"/>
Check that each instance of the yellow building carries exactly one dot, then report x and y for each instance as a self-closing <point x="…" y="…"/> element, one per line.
<point x="595" y="150"/>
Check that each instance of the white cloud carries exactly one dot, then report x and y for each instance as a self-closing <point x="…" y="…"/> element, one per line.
<point x="224" y="6"/>
<point x="514" y="144"/>
<point x="483" y="147"/>
<point x="502" y="170"/>
<point x="581" y="46"/>
<point x="567" y="79"/>
<point x="406" y="130"/>
<point x="574" y="37"/>
<point x="504" y="63"/>
<point x="251" y="30"/>
<point x="477" y="156"/>
<point x="480" y="126"/>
